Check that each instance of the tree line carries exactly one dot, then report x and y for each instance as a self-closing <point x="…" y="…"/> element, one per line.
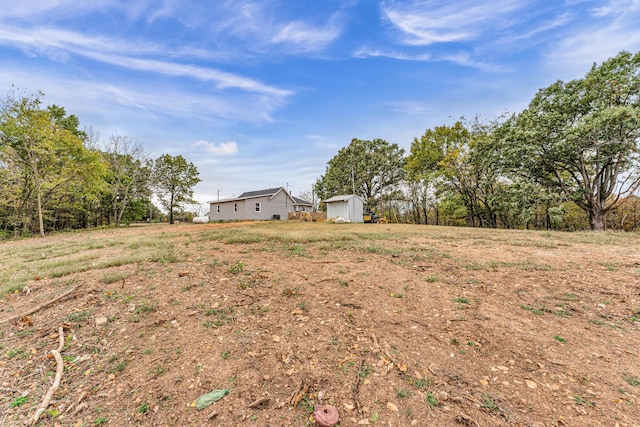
<point x="55" y="176"/>
<point x="569" y="161"/>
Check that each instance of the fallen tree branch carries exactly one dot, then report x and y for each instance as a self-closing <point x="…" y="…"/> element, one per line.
<point x="59" y="298"/>
<point x="56" y="382"/>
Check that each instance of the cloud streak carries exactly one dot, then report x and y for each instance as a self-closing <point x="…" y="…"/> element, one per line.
<point x="65" y="43"/>
<point x="224" y="148"/>
<point x="422" y="23"/>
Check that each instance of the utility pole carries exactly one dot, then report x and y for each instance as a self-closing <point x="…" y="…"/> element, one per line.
<point x="218" y="194"/>
<point x="353" y="195"/>
<point x="381" y="204"/>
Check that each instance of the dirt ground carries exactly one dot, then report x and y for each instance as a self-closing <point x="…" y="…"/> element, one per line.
<point x="393" y="325"/>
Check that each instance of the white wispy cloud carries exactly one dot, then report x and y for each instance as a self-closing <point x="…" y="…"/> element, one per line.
<point x="302" y="36"/>
<point x="615" y="29"/>
<point x="393" y="54"/>
<point x="616" y="7"/>
<point x="105" y="100"/>
<point x="466" y="59"/>
<point x="411" y="107"/>
<point x="423" y="22"/>
<point x="223" y="148"/>
<point x="59" y="44"/>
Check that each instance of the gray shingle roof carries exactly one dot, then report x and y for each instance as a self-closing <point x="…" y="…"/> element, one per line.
<point x="267" y="192"/>
<point x="300" y="201"/>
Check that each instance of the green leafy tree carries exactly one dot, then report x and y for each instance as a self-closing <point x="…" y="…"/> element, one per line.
<point x="46" y="150"/>
<point x="370" y="168"/>
<point x="426" y="168"/>
<point x="129" y="175"/>
<point x="174" y="179"/>
<point x="580" y="138"/>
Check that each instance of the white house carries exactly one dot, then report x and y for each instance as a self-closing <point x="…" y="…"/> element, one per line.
<point x="349" y="206"/>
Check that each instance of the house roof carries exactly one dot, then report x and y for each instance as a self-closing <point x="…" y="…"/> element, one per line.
<point x="300" y="201"/>
<point x="266" y="192"/>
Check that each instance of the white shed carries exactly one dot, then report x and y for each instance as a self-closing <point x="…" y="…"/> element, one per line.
<point x="349" y="206"/>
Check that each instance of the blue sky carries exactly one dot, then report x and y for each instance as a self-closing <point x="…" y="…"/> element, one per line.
<point x="263" y="93"/>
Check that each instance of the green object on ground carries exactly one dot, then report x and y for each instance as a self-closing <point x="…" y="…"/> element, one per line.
<point x="209" y="398"/>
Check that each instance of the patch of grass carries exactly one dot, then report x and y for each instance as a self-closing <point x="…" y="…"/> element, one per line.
<point x="19" y="401"/>
<point x="291" y="292"/>
<point x="475" y="266"/>
<point x="582" y="400"/>
<point x="225" y="354"/>
<point x="118" y="367"/>
<point x="79" y="316"/>
<point x="559" y="339"/>
<point x="257" y="310"/>
<point x="402" y="393"/>
<point x="461" y="300"/>
<point x="431" y="279"/>
<point x="419" y="383"/>
<point x="144" y="408"/>
<point x="236" y="267"/>
<point x="534" y="310"/>
<point x="365" y="371"/>
<point x="297" y="250"/>
<point x="488" y="403"/>
<point x="432" y="401"/>
<point x="24" y="333"/>
<point x="145" y="307"/>
<point x="17" y="352"/>
<point x="101" y="420"/>
<point x="223" y="317"/>
<point x="632" y="381"/>
<point x="113" y="277"/>
<point x="562" y="313"/>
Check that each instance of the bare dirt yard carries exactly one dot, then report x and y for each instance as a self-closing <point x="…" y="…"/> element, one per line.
<point x="394" y="325"/>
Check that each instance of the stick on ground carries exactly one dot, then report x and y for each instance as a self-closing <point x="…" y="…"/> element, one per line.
<point x="60" y="297"/>
<point x="56" y="381"/>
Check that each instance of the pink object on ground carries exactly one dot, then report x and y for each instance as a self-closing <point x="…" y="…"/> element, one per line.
<point x="326" y="415"/>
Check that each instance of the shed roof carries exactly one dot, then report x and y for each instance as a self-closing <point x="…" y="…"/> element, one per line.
<point x="342" y="198"/>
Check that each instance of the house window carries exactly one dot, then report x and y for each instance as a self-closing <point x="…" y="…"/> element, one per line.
<point x="302" y="209"/>
<point x="258" y="207"/>
<point x="235" y="207"/>
<point x="218" y="206"/>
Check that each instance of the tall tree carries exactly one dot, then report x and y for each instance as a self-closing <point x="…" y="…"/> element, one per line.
<point x="425" y="167"/>
<point x="46" y="148"/>
<point x="129" y="174"/>
<point x="174" y="179"/>
<point x="370" y="168"/>
<point x="580" y="138"/>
